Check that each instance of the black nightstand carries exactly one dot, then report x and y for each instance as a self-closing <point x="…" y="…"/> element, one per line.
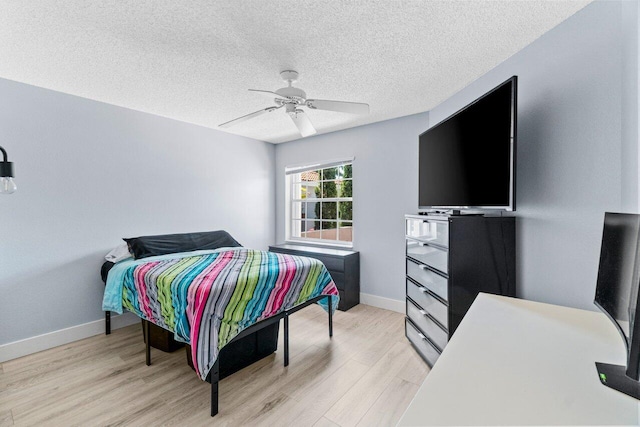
<point x="343" y="265"/>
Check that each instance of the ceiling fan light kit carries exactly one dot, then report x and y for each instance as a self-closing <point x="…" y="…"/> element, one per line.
<point x="292" y="98"/>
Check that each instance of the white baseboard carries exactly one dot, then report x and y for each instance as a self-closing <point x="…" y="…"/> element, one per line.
<point x="16" y="349"/>
<point x="382" y="302"/>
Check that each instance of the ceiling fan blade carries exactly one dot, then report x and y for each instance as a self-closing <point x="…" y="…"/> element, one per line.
<point x="268" y="93"/>
<point x="303" y="123"/>
<point x="247" y="117"/>
<point x="341" y="106"/>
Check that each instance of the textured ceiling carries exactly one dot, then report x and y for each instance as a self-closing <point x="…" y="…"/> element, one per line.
<point x="194" y="60"/>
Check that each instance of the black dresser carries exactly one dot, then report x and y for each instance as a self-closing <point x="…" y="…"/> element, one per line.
<point x="449" y="260"/>
<point x="343" y="265"/>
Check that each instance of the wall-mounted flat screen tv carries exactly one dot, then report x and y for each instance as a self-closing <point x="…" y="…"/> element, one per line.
<point x="468" y="159"/>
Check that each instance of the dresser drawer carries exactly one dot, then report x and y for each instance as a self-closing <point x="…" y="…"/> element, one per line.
<point x="427" y="326"/>
<point x="428" y="230"/>
<point x="332" y="264"/>
<point x="428" y="302"/>
<point x="427" y="278"/>
<point x="428" y="352"/>
<point x="430" y="255"/>
<point x="338" y="279"/>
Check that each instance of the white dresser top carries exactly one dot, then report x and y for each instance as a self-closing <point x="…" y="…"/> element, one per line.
<point x="516" y="362"/>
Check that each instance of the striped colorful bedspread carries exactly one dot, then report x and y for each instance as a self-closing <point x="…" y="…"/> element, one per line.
<point x="208" y="297"/>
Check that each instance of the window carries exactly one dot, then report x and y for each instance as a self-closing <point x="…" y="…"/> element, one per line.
<point x="320" y="203"/>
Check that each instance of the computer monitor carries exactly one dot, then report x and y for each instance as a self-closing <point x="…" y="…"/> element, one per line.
<point x="617" y="296"/>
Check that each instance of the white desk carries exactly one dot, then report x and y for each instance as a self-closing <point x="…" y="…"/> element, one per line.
<point x="516" y="362"/>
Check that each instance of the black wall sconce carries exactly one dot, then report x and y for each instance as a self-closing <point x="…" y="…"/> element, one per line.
<point x="7" y="186"/>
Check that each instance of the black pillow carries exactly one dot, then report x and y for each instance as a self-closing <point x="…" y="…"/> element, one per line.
<point x="146" y="246"/>
<point x="104" y="271"/>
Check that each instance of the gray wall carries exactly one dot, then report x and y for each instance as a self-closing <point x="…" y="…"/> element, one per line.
<point x="577" y="158"/>
<point x="88" y="174"/>
<point x="577" y="146"/>
<point x="385" y="187"/>
<point x="629" y="28"/>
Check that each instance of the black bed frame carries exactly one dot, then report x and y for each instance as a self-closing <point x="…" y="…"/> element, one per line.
<point x="215" y="374"/>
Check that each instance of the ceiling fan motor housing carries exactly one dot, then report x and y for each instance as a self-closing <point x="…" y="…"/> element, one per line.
<point x="293" y="93"/>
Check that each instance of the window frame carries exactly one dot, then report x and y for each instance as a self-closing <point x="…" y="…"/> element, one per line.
<point x="291" y="217"/>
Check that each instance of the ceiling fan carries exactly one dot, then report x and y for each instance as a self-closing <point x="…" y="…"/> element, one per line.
<point x="291" y="98"/>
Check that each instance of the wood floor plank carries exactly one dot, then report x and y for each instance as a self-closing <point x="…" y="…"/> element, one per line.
<point x="330" y="382"/>
<point x="6" y="419"/>
<point x="336" y="364"/>
<point x="356" y="402"/>
<point x="264" y="386"/>
<point x="416" y="370"/>
<point x="15" y="396"/>
<point x="315" y="310"/>
<point x="308" y="332"/>
<point x="387" y="410"/>
<point x="376" y="344"/>
<point x="314" y="400"/>
<point x="323" y="422"/>
<point x="271" y="412"/>
<point x="64" y="401"/>
<point x="30" y="380"/>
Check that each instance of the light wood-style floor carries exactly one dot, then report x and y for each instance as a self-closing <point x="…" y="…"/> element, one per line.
<point x="366" y="375"/>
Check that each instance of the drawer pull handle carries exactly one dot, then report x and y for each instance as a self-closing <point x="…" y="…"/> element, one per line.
<point x="423" y="290"/>
<point x="422" y="336"/>
<point x="424" y="313"/>
<point x="423" y="267"/>
<point x="422" y="244"/>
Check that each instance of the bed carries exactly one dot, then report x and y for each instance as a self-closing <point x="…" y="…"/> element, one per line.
<point x="212" y="293"/>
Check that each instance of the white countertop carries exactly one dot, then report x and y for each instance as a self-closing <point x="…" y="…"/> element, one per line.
<point x="517" y="362"/>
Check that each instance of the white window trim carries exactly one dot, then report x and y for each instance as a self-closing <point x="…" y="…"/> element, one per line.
<point x="303" y="167"/>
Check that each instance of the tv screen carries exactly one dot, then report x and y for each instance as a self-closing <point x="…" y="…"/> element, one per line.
<point x="468" y="159"/>
<point x="619" y="279"/>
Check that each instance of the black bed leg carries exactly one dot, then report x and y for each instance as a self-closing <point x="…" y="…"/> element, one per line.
<point x="107" y="322"/>
<point x="286" y="340"/>
<point x="147" y="341"/>
<point x="215" y="377"/>
<point x="330" y="316"/>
